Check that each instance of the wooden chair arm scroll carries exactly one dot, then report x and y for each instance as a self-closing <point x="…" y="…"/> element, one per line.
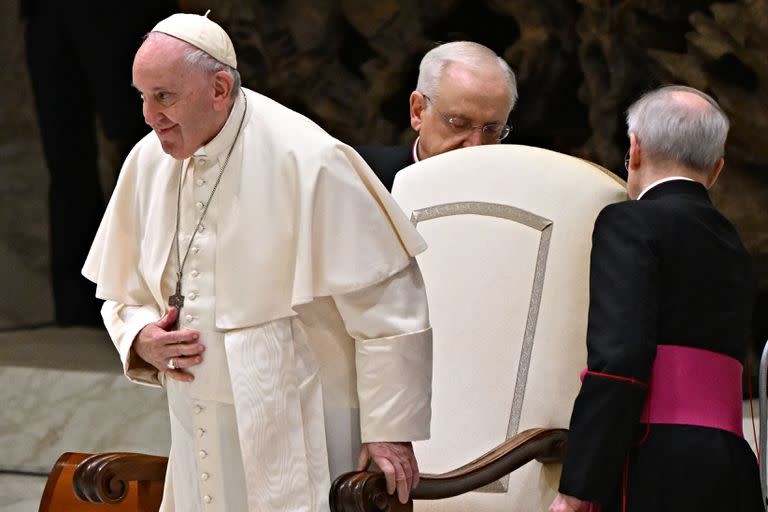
<point x="366" y="491"/>
<point x="121" y="482"/>
<point x="105" y="477"/>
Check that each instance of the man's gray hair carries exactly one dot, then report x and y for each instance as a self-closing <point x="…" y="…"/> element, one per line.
<point x="468" y="53"/>
<point x="200" y="59"/>
<point x="671" y="129"/>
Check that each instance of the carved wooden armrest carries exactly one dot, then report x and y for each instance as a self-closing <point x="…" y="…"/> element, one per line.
<point x="104" y="477"/>
<point x="365" y="491"/>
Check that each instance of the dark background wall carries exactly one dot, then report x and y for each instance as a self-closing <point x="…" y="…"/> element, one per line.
<point x="350" y="66"/>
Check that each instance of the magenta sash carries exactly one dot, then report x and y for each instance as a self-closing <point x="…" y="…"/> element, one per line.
<point x="692" y="386"/>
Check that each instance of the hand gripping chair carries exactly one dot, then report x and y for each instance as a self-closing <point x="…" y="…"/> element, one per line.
<point x="506" y="272"/>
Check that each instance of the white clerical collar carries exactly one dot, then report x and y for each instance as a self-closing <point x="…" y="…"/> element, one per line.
<point x="663" y="180"/>
<point x="224" y="139"/>
<point x="415" y="149"/>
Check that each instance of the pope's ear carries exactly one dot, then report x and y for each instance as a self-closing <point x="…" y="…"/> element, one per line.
<point x="418" y="103"/>
<point x="223" y="82"/>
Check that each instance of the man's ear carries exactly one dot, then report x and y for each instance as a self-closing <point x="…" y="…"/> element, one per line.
<point x="635" y="154"/>
<point x="715" y="172"/>
<point x="222" y="89"/>
<point x="418" y="103"/>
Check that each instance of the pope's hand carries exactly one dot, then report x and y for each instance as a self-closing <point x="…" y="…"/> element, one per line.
<point x="565" y="503"/>
<point x="398" y="463"/>
<point x="168" y="350"/>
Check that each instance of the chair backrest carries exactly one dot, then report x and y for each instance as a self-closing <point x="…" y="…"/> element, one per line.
<point x="509" y="233"/>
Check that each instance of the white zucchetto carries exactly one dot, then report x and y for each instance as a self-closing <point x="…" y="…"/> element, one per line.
<point x="201" y="32"/>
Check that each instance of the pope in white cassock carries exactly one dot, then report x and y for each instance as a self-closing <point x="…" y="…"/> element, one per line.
<point x="257" y="269"/>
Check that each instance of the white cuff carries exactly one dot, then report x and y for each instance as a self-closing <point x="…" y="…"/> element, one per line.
<point x="394" y="385"/>
<point x="123" y="324"/>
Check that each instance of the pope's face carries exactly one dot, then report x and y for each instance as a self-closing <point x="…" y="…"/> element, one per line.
<point x="472" y="97"/>
<point x="178" y="98"/>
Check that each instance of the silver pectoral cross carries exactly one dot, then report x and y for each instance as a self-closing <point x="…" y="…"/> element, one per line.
<point x="177" y="299"/>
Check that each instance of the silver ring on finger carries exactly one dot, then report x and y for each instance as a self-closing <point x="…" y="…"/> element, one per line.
<point x="171" y="365"/>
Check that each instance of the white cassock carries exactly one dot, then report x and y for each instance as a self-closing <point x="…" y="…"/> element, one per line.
<point x="304" y="288"/>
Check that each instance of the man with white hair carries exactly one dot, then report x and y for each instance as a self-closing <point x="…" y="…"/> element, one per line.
<point x="255" y="267"/>
<point x="657" y="424"/>
<point x="463" y="98"/>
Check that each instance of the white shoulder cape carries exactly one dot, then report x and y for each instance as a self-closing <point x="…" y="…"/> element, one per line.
<point x="301" y="216"/>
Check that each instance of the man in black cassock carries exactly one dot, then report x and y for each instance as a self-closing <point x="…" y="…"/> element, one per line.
<point x="668" y="275"/>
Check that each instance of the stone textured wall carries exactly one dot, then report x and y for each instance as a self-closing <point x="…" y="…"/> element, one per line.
<point x="350" y="65"/>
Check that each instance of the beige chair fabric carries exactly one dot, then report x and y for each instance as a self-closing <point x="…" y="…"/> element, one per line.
<point x="509" y="233"/>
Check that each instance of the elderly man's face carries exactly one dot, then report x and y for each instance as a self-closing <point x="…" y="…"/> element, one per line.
<point x="178" y="99"/>
<point x="475" y="98"/>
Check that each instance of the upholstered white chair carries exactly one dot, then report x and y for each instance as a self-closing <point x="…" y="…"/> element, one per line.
<point x="506" y="272"/>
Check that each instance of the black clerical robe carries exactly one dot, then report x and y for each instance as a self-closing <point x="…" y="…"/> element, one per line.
<point x="667" y="269"/>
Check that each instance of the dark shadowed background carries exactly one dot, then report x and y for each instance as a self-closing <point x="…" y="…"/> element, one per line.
<point x="350" y="66"/>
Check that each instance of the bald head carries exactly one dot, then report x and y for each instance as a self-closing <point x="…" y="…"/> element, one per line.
<point x="679" y="125"/>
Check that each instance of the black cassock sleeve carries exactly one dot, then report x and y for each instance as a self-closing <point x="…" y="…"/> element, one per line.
<point x="621" y="346"/>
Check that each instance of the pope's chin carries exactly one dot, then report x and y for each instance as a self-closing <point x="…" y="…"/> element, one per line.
<point x="172" y="147"/>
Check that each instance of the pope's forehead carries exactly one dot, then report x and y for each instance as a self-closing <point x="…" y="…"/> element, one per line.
<point x="161" y="48"/>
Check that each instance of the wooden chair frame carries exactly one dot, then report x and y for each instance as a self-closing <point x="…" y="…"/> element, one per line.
<point x="133" y="482"/>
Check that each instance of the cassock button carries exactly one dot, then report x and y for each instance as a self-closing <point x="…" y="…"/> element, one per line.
<point x="201" y="228"/>
<point x="198" y="410"/>
<point x="189" y="318"/>
<point x="199" y="205"/>
<point x="192" y="296"/>
<point x="200" y="182"/>
<point x="204" y="476"/>
<point x="207" y="499"/>
<point x="200" y="432"/>
<point x="203" y="454"/>
<point x="194" y="273"/>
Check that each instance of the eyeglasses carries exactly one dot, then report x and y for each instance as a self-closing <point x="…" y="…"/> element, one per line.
<point x="626" y="161"/>
<point x="489" y="131"/>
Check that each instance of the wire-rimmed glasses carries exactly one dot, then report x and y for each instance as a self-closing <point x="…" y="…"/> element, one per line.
<point x="489" y="131"/>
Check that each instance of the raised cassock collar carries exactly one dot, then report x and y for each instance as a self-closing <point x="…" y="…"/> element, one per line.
<point x="220" y="144"/>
